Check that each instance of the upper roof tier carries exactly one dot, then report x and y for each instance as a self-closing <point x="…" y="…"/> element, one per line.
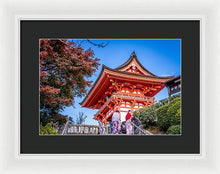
<point x="134" y="66"/>
<point x="132" y="71"/>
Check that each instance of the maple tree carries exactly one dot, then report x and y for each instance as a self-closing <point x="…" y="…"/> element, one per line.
<point x="64" y="67"/>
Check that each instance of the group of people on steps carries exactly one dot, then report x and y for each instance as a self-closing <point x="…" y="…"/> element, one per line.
<point x="116" y="123"/>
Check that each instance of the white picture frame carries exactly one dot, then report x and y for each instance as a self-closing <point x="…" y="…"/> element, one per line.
<point x="207" y="11"/>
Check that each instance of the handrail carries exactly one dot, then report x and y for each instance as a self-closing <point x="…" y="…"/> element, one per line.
<point x="143" y="131"/>
<point x="65" y="127"/>
<point x="103" y="130"/>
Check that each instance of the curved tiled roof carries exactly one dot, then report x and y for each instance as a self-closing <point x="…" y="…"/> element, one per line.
<point x="117" y="70"/>
<point x="132" y="57"/>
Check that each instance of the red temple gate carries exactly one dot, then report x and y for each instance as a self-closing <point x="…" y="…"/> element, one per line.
<point x="127" y="87"/>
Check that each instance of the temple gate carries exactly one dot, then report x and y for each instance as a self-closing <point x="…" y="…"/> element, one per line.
<point x="127" y="87"/>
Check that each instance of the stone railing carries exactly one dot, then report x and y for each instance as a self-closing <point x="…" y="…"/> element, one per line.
<point x="82" y="129"/>
<point x="79" y="129"/>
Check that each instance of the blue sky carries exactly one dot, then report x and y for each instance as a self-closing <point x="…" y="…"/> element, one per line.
<point x="162" y="57"/>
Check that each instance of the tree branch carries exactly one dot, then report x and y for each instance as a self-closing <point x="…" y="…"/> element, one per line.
<point x="101" y="45"/>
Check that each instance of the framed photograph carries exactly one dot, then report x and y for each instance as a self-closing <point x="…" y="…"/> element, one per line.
<point x="120" y="101"/>
<point x="102" y="82"/>
<point x="158" y="59"/>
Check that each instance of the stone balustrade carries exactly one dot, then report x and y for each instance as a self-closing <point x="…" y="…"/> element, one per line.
<point x="82" y="129"/>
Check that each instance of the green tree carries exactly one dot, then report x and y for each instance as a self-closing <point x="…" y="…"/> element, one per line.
<point x="162" y="119"/>
<point x="47" y="130"/>
<point x="169" y="114"/>
<point x="165" y="101"/>
<point x="173" y="112"/>
<point x="146" y="115"/>
<point x="163" y="113"/>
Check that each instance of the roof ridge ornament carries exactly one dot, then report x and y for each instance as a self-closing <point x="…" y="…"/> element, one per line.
<point x="133" y="54"/>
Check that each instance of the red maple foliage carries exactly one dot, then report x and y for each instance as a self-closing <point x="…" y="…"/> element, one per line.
<point x="64" y="66"/>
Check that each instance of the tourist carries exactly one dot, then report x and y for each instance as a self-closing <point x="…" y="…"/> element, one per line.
<point x="123" y="127"/>
<point x="128" y="123"/>
<point x="110" y="126"/>
<point x="115" y="122"/>
<point x="136" y="122"/>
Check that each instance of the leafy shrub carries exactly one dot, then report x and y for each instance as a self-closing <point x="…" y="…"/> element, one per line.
<point x="47" y="130"/>
<point x="169" y="114"/>
<point x="162" y="120"/>
<point x="136" y="113"/>
<point x="178" y="114"/>
<point x="173" y="112"/>
<point x="165" y="101"/>
<point x="163" y="114"/>
<point x="146" y="115"/>
<point x="175" y="129"/>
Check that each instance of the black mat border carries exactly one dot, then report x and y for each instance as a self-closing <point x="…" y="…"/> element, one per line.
<point x="32" y="143"/>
